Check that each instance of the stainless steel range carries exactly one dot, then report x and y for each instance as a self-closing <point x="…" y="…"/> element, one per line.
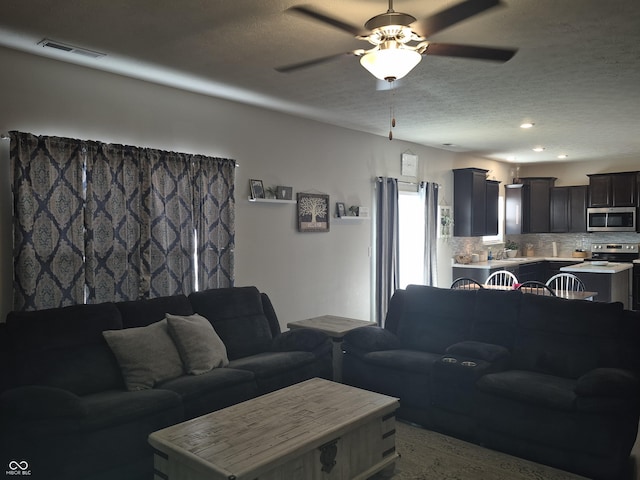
<point x="614" y="252"/>
<point x="621" y="253"/>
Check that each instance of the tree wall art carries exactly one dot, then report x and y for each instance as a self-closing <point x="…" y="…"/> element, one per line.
<point x="313" y="212"/>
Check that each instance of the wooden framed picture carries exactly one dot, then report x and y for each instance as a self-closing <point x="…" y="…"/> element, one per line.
<point x="284" y="193"/>
<point x="257" y="189"/>
<point x="313" y="212"/>
<point x="341" y="210"/>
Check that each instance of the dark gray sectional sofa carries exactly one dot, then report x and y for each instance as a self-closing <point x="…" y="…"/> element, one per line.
<point x="64" y="404"/>
<point x="552" y="380"/>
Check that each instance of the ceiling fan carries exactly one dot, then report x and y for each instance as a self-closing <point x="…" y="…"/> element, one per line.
<point x="399" y="40"/>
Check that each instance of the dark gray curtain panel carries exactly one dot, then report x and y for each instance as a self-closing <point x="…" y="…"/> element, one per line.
<point x="387" y="247"/>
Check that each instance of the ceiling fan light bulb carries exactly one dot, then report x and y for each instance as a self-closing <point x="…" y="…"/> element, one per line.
<point x="391" y="63"/>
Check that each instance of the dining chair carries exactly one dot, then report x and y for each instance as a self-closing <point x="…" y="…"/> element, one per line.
<point x="501" y="277"/>
<point x="536" y="288"/>
<point x="464" y="283"/>
<point x="566" y="281"/>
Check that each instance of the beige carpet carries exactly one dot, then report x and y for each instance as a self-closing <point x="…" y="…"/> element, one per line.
<point x="426" y="455"/>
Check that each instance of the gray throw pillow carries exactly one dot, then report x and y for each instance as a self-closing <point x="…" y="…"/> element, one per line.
<point x="146" y="355"/>
<point x="200" y="347"/>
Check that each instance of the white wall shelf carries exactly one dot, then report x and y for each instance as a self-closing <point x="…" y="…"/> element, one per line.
<point x="350" y="219"/>
<point x="270" y="200"/>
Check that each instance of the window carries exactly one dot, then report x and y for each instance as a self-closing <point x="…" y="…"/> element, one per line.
<point x="499" y="238"/>
<point x="411" y="238"/>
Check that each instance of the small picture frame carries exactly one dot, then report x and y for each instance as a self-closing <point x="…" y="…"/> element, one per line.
<point x="313" y="212"/>
<point x="284" y="193"/>
<point x="257" y="188"/>
<point x="363" y="212"/>
<point x="341" y="209"/>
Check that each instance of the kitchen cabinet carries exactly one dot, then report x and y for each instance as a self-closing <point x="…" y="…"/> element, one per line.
<point x="532" y="271"/>
<point x="553" y="267"/>
<point x="636" y="286"/>
<point x="613" y="189"/>
<point x="527" y="205"/>
<point x="568" y="209"/>
<point x="481" y="274"/>
<point x="475" y="203"/>
<point x="493" y="195"/>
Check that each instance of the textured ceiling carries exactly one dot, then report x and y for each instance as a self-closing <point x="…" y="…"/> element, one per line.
<point x="576" y="74"/>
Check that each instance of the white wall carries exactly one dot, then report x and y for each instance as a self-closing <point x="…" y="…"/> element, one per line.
<point x="304" y="274"/>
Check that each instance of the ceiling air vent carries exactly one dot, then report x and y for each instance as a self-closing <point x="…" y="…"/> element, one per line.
<point x="70" y="49"/>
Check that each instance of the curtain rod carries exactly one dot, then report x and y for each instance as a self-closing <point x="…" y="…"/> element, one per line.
<point x="379" y="179"/>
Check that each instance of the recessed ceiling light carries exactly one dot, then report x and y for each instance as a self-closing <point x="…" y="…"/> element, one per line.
<point x="527" y="125"/>
<point x="538" y="149"/>
<point x="563" y="156"/>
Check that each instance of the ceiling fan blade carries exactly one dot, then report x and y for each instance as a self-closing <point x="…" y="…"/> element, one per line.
<point x="450" y="16"/>
<point x="334" y="22"/>
<point x="310" y="63"/>
<point x="469" y="51"/>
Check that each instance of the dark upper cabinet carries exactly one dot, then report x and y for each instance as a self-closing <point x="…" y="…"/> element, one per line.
<point x="513" y="200"/>
<point x="475" y="210"/>
<point x="568" y="209"/>
<point x="493" y="193"/>
<point x="538" y="202"/>
<point x="613" y="189"/>
<point x="527" y="205"/>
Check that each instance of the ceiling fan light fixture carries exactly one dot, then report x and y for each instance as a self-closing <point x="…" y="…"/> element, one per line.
<point x="390" y="63"/>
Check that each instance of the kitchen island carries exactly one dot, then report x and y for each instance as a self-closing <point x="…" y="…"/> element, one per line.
<point x="525" y="268"/>
<point x="611" y="280"/>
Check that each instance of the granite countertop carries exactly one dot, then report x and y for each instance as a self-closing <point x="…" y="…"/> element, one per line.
<point x="588" y="267"/>
<point x="513" y="262"/>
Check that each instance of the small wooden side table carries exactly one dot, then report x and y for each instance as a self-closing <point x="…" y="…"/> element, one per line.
<point x="336" y="328"/>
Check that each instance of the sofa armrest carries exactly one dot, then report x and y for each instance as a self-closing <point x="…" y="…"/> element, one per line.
<point x="302" y="339"/>
<point x="370" y="338"/>
<point x="482" y="351"/>
<point x="608" y="382"/>
<point x="35" y="402"/>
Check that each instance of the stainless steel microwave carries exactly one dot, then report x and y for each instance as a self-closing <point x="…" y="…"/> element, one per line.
<point x="611" y="219"/>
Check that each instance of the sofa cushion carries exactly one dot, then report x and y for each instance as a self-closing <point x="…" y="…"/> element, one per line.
<point x="435" y="318"/>
<point x="567" y="338"/>
<point x="403" y="360"/>
<point x="495" y="316"/>
<point x="37" y="402"/>
<point x="530" y="387"/>
<point x="198" y="344"/>
<point x="146" y="355"/>
<point x="483" y="351"/>
<point x="140" y="313"/>
<point x="272" y="363"/>
<point x="237" y="315"/>
<point x="218" y="388"/>
<point x="608" y="382"/>
<point x="64" y="348"/>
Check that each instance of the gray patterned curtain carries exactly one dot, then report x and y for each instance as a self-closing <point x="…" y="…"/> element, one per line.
<point x="168" y="217"/>
<point x="48" y="221"/>
<point x="114" y="217"/>
<point x="129" y="229"/>
<point x="214" y="210"/>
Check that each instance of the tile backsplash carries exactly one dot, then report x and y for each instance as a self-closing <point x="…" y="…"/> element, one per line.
<point x="543" y="242"/>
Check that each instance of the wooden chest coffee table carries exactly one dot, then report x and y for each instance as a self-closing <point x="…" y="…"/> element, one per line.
<point x="314" y="430"/>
